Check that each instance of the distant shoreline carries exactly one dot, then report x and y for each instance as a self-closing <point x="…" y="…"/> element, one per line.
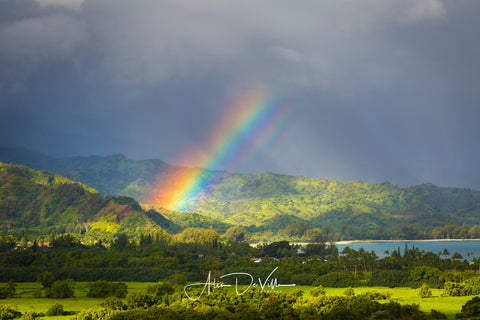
<point x="359" y="241"/>
<point x="401" y="240"/>
<point x="390" y="240"/>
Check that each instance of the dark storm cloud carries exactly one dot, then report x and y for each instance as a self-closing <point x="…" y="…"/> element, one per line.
<point x="378" y="90"/>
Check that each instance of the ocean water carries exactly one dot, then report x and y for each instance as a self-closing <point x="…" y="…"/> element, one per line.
<point x="469" y="249"/>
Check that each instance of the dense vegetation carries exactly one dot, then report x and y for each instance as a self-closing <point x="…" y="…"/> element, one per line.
<point x="58" y="232"/>
<point x="165" y="300"/>
<point x="173" y="262"/>
<point x="268" y="203"/>
<point x="37" y="204"/>
<point x="195" y="252"/>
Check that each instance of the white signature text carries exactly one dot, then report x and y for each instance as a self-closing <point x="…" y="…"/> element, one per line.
<point x="210" y="284"/>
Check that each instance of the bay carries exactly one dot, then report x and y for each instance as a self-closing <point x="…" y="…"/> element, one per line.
<point x="469" y="249"/>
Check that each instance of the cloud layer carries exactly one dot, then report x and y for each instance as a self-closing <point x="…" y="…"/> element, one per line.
<point x="378" y="90"/>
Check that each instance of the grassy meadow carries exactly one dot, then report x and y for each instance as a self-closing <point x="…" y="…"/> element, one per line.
<point x="25" y="300"/>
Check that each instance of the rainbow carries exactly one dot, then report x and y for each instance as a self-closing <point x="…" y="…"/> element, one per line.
<point x="250" y="123"/>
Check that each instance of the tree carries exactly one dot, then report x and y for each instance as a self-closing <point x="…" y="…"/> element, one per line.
<point x="471" y="309"/>
<point x="296" y="230"/>
<point x="278" y="249"/>
<point x="46" y="279"/>
<point x="113" y="303"/>
<point x="424" y="291"/>
<point x="235" y="233"/>
<point x="315" y="235"/>
<point x="60" y="289"/>
<point x="7" y="243"/>
<point x="271" y="308"/>
<point x="303" y="279"/>
<point x="25" y="238"/>
<point x="64" y="241"/>
<point x="210" y="237"/>
<point x="457" y="256"/>
<point x="140" y="300"/>
<point x="190" y="235"/>
<point x="177" y="279"/>
<point x="8" y="290"/>
<point x="314" y="249"/>
<point x="145" y="239"/>
<point x="121" y="242"/>
<point x="55" y="310"/>
<point x="104" y="289"/>
<point x="245" y="311"/>
<point x="160" y="289"/>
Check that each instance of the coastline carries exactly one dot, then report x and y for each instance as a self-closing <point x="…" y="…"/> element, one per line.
<point x="402" y="240"/>
<point x="344" y="242"/>
<point x="389" y="240"/>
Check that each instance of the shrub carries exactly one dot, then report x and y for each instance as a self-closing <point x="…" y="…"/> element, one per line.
<point x="8" y="312"/>
<point x="8" y="290"/>
<point x="113" y="303"/>
<point x="389" y="278"/>
<point x="336" y="280"/>
<point x="424" y="291"/>
<point x="55" y="310"/>
<point x="164" y="313"/>
<point x="271" y="308"/>
<point x="140" y="300"/>
<point x="245" y="311"/>
<point x="60" y="289"/>
<point x="375" y="295"/>
<point x="104" y="289"/>
<point x="471" y="309"/>
<point x="428" y="275"/>
<point x="437" y="314"/>
<point x="46" y="279"/>
<point x="37" y="294"/>
<point x="294" y="295"/>
<point x="177" y="280"/>
<point x="381" y="315"/>
<point x="474" y="285"/>
<point x="160" y="289"/>
<point x="340" y="312"/>
<point x="303" y="279"/>
<point x="95" y="314"/>
<point x="468" y="288"/>
<point x="456" y="289"/>
<point x="318" y="291"/>
<point x="349" y="292"/>
<point x="30" y="316"/>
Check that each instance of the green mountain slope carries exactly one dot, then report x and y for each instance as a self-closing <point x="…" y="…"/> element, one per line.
<point x="271" y="201"/>
<point x="112" y="175"/>
<point x="194" y="220"/>
<point x="360" y="206"/>
<point x="46" y="203"/>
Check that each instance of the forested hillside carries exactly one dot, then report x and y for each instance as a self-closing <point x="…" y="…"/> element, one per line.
<point x="357" y="208"/>
<point x="270" y="201"/>
<point x="37" y="203"/>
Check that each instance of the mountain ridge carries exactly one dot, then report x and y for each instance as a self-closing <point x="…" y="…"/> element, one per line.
<point x="44" y="203"/>
<point x="361" y="209"/>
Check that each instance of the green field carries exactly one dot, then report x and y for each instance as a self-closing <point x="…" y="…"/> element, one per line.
<point x="448" y="305"/>
<point x="25" y="301"/>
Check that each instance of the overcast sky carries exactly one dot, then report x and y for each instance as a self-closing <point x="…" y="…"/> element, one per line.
<point x="375" y="90"/>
